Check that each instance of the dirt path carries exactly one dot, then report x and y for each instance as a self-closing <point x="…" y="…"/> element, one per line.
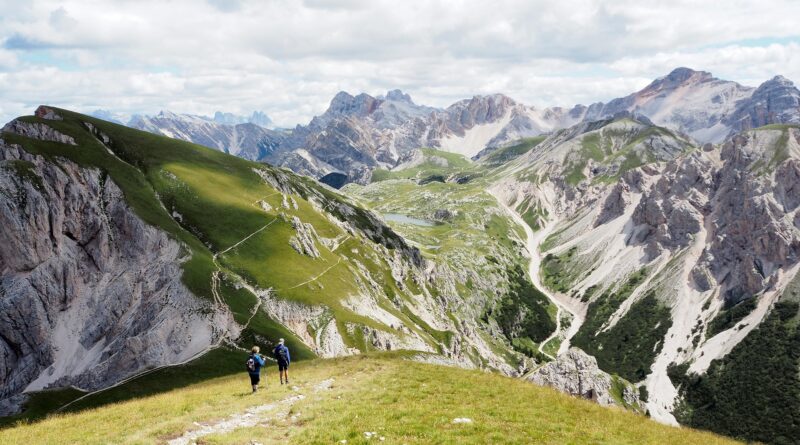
<point x="562" y="302"/>
<point x="253" y="416"/>
<point x="312" y="279"/>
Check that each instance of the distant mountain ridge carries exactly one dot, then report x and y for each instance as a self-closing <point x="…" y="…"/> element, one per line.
<point x="360" y="133"/>
<point x="246" y="140"/>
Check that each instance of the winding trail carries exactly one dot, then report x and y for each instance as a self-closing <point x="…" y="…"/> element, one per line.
<point x="312" y="279"/>
<point x="562" y="302"/>
<point x="253" y="416"/>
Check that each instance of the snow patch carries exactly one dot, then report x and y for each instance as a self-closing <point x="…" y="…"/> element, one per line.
<point x="475" y="139"/>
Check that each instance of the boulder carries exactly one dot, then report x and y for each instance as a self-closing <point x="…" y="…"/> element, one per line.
<point x="576" y="373"/>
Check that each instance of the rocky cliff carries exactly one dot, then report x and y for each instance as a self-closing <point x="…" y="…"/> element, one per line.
<point x="673" y="258"/>
<point x="90" y="294"/>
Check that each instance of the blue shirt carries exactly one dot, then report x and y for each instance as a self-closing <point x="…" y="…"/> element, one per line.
<point x="277" y="354"/>
<point x="259" y="363"/>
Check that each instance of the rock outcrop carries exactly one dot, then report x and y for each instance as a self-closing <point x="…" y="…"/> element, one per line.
<point x="38" y="130"/>
<point x="577" y="373"/>
<point x="304" y="240"/>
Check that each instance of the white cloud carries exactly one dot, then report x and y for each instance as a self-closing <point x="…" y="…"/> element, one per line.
<point x="289" y="57"/>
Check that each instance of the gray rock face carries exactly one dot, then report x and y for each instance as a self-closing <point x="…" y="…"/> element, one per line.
<point x="775" y="101"/>
<point x="36" y="130"/>
<point x="89" y="294"/>
<point x="577" y="373"/>
<point x="48" y="113"/>
<point x="747" y="213"/>
<point x="787" y="184"/>
<point x="702" y="278"/>
<point x="304" y="241"/>
<point x="614" y="205"/>
<point x="753" y="237"/>
<point x="671" y="211"/>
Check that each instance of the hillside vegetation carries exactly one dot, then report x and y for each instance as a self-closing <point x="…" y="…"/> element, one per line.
<point x="470" y="237"/>
<point x="255" y="239"/>
<point x="338" y="400"/>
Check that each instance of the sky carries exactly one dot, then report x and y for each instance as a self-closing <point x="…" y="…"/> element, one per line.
<point x="290" y="57"/>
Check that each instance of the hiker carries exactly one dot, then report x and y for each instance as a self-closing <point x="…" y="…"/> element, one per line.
<point x="254" y="364"/>
<point x="281" y="354"/>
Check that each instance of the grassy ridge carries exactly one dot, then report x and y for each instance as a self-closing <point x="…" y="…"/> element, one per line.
<point x="142" y="165"/>
<point x="435" y="163"/>
<point x="502" y="155"/>
<point x="209" y="201"/>
<point x="404" y="402"/>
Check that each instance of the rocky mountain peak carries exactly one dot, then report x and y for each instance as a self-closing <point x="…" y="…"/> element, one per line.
<point x="483" y="108"/>
<point x="399" y="96"/>
<point x="776" y="83"/>
<point x="780" y="80"/>
<point x="258" y="118"/>
<point x="774" y="101"/>
<point x="166" y="114"/>
<point x="680" y="76"/>
<point x="346" y="104"/>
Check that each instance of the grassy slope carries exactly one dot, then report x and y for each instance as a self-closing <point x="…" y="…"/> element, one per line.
<point x="405" y="402"/>
<point x="216" y="196"/>
<point x="508" y="153"/>
<point x="454" y="163"/>
<point x="215" y="193"/>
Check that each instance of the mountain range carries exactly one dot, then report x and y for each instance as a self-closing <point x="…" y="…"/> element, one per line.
<point x="643" y="253"/>
<point x="358" y="134"/>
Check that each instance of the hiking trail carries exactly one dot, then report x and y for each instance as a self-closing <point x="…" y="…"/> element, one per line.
<point x="253" y="416"/>
<point x="534" y="240"/>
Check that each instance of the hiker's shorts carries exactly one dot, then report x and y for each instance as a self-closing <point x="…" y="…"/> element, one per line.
<point x="282" y="366"/>
<point x="255" y="378"/>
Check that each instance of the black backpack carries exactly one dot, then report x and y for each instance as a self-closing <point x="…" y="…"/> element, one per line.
<point x="250" y="364"/>
<point x="282" y="354"/>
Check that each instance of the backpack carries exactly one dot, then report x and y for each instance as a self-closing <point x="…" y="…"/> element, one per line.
<point x="250" y="364"/>
<point x="283" y="354"/>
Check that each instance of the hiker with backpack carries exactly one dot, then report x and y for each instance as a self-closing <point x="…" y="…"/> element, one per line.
<point x="281" y="353"/>
<point x="254" y="364"/>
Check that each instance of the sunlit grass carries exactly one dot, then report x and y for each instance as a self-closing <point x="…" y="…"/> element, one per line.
<point x="404" y="402"/>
